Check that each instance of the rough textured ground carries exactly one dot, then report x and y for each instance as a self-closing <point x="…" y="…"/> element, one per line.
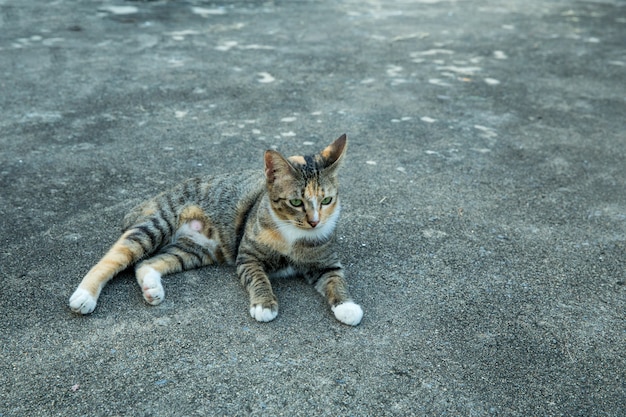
<point x="484" y="221"/>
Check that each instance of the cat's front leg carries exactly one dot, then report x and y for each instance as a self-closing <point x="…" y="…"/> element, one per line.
<point x="332" y="285"/>
<point x="263" y="302"/>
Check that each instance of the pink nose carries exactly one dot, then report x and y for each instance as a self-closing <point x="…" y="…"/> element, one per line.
<point x="313" y="223"/>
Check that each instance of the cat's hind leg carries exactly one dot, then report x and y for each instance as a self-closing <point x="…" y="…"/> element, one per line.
<point x="133" y="245"/>
<point x="190" y="248"/>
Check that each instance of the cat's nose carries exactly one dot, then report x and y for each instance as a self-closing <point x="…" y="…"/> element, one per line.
<point x="313" y="223"/>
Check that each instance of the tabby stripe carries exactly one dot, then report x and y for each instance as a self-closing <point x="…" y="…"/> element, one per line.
<point x="169" y="219"/>
<point x="134" y="237"/>
<point x="258" y="246"/>
<point x="206" y="188"/>
<point x="197" y="188"/>
<point x="174" y="251"/>
<point x="218" y="256"/>
<point x="170" y="226"/>
<point x="209" y="254"/>
<point x="192" y="189"/>
<point x="157" y="225"/>
<point x="170" y="205"/>
<point x="241" y="225"/>
<point x="180" y="259"/>
<point x="188" y="251"/>
<point x="147" y="233"/>
<point x="267" y="222"/>
<point x="163" y="215"/>
<point x="330" y="269"/>
<point x="186" y="191"/>
<point x="199" y="253"/>
<point x="244" y="271"/>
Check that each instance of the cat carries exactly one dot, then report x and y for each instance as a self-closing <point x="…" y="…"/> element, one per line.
<point x="275" y="225"/>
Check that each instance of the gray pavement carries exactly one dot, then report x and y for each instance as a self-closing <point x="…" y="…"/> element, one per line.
<point x="484" y="221"/>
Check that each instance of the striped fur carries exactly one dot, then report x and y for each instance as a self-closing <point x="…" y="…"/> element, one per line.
<point x="273" y="225"/>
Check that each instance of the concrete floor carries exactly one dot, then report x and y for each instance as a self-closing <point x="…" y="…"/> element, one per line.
<point x="484" y="220"/>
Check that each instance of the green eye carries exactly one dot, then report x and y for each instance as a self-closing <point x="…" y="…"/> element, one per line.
<point x="296" y="202"/>
<point x="327" y="201"/>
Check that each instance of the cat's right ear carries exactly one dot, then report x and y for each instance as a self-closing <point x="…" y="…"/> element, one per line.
<point x="276" y="165"/>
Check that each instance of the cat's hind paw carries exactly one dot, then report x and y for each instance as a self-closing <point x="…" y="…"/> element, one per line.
<point x="152" y="289"/>
<point x="82" y="301"/>
<point x="348" y="313"/>
<point x="263" y="314"/>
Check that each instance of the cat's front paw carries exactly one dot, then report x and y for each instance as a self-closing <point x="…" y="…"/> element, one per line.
<point x="348" y="313"/>
<point x="264" y="314"/>
<point x="152" y="289"/>
<point x="82" y="301"/>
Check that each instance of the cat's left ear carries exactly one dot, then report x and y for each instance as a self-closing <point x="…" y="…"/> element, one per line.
<point x="333" y="153"/>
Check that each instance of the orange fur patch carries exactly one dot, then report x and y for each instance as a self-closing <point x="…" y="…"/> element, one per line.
<point x="91" y="285"/>
<point x="335" y="149"/>
<point x="311" y="190"/>
<point x="273" y="239"/>
<point x="148" y="211"/>
<point x="297" y="160"/>
<point x="164" y="266"/>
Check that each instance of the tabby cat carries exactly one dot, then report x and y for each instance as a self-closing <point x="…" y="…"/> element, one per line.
<point x="278" y="224"/>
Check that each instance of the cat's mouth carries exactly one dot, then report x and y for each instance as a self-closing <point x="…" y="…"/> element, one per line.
<point x="309" y="225"/>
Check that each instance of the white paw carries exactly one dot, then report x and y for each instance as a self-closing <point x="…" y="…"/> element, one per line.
<point x="82" y="301"/>
<point x="348" y="313"/>
<point x="153" y="291"/>
<point x="263" y="314"/>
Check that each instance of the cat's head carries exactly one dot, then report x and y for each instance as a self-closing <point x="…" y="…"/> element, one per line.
<point x="303" y="190"/>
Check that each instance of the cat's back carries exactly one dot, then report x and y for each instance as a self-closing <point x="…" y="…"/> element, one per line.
<point x="224" y="194"/>
<point x="223" y="198"/>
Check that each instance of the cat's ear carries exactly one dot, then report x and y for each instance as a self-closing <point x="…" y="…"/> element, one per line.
<point x="276" y="166"/>
<point x="334" y="152"/>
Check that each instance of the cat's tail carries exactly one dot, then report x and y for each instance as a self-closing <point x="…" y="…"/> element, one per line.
<point x="135" y="243"/>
